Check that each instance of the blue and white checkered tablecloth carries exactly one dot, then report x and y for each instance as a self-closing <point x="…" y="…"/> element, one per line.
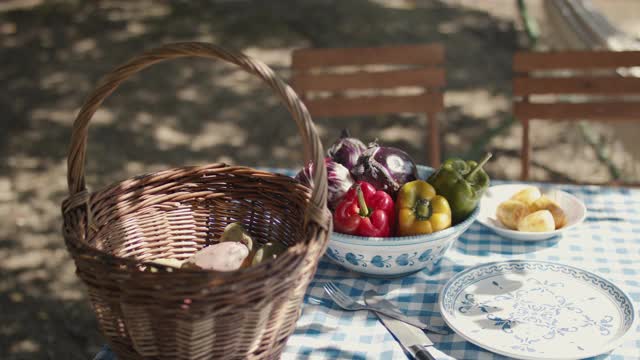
<point x="607" y="243"/>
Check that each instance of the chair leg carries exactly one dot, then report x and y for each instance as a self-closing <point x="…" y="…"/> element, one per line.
<point x="433" y="140"/>
<point x="526" y="150"/>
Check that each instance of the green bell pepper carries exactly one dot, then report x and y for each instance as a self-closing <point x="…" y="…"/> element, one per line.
<point x="462" y="183"/>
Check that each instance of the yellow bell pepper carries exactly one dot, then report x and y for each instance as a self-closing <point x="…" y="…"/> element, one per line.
<point x="420" y="210"/>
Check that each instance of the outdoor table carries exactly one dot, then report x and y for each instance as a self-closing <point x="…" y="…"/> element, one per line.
<point x="607" y="243"/>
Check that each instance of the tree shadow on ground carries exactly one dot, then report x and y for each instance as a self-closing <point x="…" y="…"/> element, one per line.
<point x="38" y="323"/>
<point x="68" y="47"/>
<point x="181" y="112"/>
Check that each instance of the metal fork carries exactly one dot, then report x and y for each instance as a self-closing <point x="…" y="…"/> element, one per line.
<point x="346" y="302"/>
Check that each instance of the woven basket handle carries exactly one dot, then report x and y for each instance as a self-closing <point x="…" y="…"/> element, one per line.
<point x="313" y="150"/>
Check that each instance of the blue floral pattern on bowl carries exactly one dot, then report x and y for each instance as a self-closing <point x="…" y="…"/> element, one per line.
<point x="404" y="259"/>
<point x="395" y="261"/>
<point x="355" y="259"/>
<point x="381" y="261"/>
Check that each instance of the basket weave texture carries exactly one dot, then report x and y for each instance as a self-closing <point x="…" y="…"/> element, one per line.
<point x="151" y="311"/>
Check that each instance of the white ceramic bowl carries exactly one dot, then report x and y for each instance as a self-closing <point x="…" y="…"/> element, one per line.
<point x="395" y="256"/>
<point x="572" y="206"/>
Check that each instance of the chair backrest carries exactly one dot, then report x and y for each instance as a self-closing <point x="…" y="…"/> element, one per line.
<point x="603" y="81"/>
<point x="339" y="82"/>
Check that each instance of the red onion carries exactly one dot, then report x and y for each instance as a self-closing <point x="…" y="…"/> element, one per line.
<point x="346" y="150"/>
<point x="386" y="168"/>
<point x="338" y="178"/>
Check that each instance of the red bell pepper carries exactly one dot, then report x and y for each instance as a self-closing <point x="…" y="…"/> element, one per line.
<point x="365" y="211"/>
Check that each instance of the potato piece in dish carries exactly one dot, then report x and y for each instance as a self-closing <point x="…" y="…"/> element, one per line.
<point x="539" y="221"/>
<point x="546" y="203"/>
<point x="527" y="195"/>
<point x="510" y="212"/>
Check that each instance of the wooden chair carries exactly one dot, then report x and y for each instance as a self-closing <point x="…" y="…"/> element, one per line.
<point x="315" y="73"/>
<point x="591" y="73"/>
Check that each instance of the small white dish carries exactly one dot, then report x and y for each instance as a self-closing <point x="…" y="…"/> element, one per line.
<point x="537" y="310"/>
<point x="573" y="208"/>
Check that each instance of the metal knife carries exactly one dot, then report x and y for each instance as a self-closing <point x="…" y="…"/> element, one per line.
<point x="413" y="339"/>
<point x="378" y="302"/>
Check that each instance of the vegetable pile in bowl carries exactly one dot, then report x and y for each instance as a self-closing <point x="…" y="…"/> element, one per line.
<point x="392" y="217"/>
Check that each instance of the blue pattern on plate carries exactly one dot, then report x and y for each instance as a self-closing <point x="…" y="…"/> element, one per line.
<point x="537" y="305"/>
<point x="482" y="272"/>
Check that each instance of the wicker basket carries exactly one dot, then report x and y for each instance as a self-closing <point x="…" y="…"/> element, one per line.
<point x="151" y="311"/>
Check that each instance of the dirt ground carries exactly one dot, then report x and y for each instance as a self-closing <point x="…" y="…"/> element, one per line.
<point x="196" y="111"/>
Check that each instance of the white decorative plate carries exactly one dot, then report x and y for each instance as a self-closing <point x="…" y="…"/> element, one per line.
<point x="537" y="310"/>
<point x="571" y="205"/>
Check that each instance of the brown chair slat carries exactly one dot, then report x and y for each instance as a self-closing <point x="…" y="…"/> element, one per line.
<point x="580" y="80"/>
<point x="523" y="86"/>
<point x="418" y="66"/>
<point x="431" y="54"/>
<point x="602" y="111"/>
<point x="531" y="61"/>
<point x="428" y="77"/>
<point x="375" y="105"/>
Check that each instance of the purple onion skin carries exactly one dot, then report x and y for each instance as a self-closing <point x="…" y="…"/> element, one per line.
<point x="339" y="180"/>
<point x="386" y="168"/>
<point x="346" y="150"/>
